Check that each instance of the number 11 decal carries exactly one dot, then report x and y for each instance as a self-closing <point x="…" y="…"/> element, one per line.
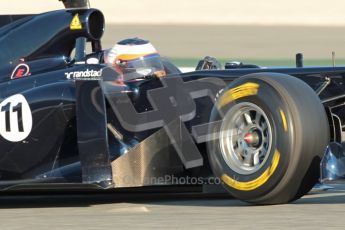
<point x="15" y="118"/>
<point x="18" y="110"/>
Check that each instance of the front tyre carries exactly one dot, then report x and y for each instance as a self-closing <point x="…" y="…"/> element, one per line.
<point x="270" y="132"/>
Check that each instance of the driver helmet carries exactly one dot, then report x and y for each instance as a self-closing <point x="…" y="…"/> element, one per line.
<point x="135" y="58"/>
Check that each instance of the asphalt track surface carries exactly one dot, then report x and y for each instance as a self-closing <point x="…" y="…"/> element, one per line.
<point x="318" y="210"/>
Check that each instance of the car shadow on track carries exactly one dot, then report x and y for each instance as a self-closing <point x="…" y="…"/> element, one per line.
<point x="86" y="199"/>
<point x="334" y="194"/>
<point x="327" y="198"/>
<point x="38" y="200"/>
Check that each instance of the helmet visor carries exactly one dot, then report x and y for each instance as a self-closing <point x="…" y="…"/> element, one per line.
<point x="144" y="66"/>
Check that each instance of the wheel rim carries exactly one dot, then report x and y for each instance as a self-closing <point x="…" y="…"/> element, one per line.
<point x="245" y="138"/>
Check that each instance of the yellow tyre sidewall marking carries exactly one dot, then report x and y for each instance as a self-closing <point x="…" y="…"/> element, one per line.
<point x="282" y="114"/>
<point x="244" y="90"/>
<point x="256" y="183"/>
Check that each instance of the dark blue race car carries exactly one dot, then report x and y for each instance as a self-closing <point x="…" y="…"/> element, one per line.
<point x="68" y="123"/>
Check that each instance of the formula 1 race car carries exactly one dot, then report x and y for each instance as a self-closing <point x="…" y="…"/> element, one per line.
<point x="70" y="123"/>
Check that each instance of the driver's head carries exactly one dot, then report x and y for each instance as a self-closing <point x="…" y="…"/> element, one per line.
<point x="135" y="58"/>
